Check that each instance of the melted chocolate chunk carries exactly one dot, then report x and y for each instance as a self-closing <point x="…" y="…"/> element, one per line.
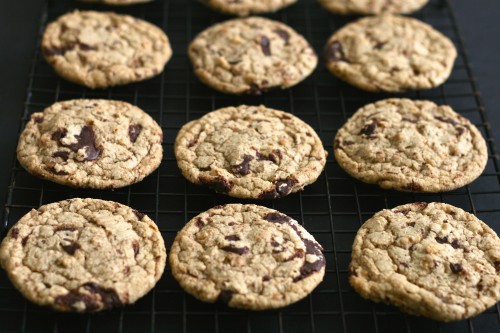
<point x="232" y="238"/>
<point x="14" y="233"/>
<point x="218" y="184"/>
<point x="265" y="45"/>
<point x="37" y="119"/>
<point x="497" y="266"/>
<point x="456" y="268"/>
<point x="276" y="217"/>
<point x="442" y="240"/>
<point x="225" y="296"/>
<point x="402" y="211"/>
<point x="135" y="246"/>
<point x="71" y="247"/>
<point x="234" y="249"/>
<point x="133" y="132"/>
<point x="244" y="167"/>
<point x="410" y="224"/>
<point x="139" y="215"/>
<point x="479" y="287"/>
<point x="413" y="187"/>
<point x="266" y="278"/>
<point x="86" y="139"/>
<point x="199" y="223"/>
<point x="59" y="134"/>
<point x="456" y="244"/>
<point x="369" y="129"/>
<point x="25" y="240"/>
<point x="309" y="268"/>
<point x="275" y="156"/>
<point x="108" y="297"/>
<point x="335" y="52"/>
<point x="281" y="188"/>
<point x="62" y="154"/>
<point x="379" y="45"/>
<point x="275" y="243"/>
<point x="283" y="34"/>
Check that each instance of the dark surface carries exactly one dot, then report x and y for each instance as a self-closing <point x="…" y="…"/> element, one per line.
<point x="330" y="209"/>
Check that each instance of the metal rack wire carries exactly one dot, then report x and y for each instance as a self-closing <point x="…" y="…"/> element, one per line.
<point x="332" y="209"/>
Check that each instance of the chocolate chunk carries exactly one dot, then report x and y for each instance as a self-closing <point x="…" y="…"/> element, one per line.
<point x="266" y="278"/>
<point x="276" y="217"/>
<point x="244" y="167"/>
<point x="47" y="285"/>
<point x="139" y="215"/>
<point x="335" y="52"/>
<point x="281" y="188"/>
<point x="195" y="141"/>
<point x="299" y="254"/>
<point x="62" y="154"/>
<point x="86" y="139"/>
<point x="85" y="47"/>
<point x="225" y="296"/>
<point x="283" y="34"/>
<point x="446" y="120"/>
<point x="275" y="156"/>
<point x="65" y="228"/>
<point x="456" y="244"/>
<point x="25" y="240"/>
<point x="479" y="287"/>
<point x="379" y="45"/>
<point x="413" y="187"/>
<point x="56" y="51"/>
<point x="410" y="224"/>
<point x="133" y="132"/>
<point x="108" y="297"/>
<point x="234" y="249"/>
<point x="460" y="130"/>
<point x="14" y="233"/>
<point x="219" y="183"/>
<point x="59" y="134"/>
<point x="402" y="211"/>
<point x="497" y="266"/>
<point x="37" y="119"/>
<point x="265" y="44"/>
<point x="456" y="268"/>
<point x="199" y="223"/>
<point x="232" y="238"/>
<point x="369" y="129"/>
<point x="275" y="243"/>
<point x="135" y="246"/>
<point x="308" y="268"/>
<point x="442" y="240"/>
<point x="71" y="247"/>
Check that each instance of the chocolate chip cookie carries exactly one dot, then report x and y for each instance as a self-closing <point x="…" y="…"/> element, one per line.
<point x="366" y="7"/>
<point x="428" y="259"/>
<point x="89" y="143"/>
<point x="247" y="256"/>
<point x="118" y="2"/>
<point x="410" y="145"/>
<point x="100" y="50"/>
<point x="83" y="255"/>
<point x="390" y="53"/>
<point x="247" y="7"/>
<point x="251" y="55"/>
<point x="250" y="152"/>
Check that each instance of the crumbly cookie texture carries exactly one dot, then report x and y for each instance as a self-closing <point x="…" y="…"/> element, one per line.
<point x="118" y="2"/>
<point x="83" y="255"/>
<point x="409" y="145"/>
<point x="428" y="259"/>
<point x="250" y="152"/>
<point x="390" y="53"/>
<point x="247" y="7"/>
<point x="100" y="50"/>
<point x="251" y="55"/>
<point x="346" y="7"/>
<point x="89" y="143"/>
<point x="247" y="256"/>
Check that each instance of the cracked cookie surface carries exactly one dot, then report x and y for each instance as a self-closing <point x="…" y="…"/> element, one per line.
<point x="100" y="50"/>
<point x="409" y="145"/>
<point x="251" y="55"/>
<point x="89" y="143"/>
<point x="250" y="152"/>
<point x="390" y="53"/>
<point x="83" y="255"/>
<point x="428" y="259"/>
<point x="247" y="7"/>
<point x="246" y="256"/>
<point x="347" y="7"/>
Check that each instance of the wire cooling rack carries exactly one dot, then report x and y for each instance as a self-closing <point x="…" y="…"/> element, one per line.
<point x="332" y="209"/>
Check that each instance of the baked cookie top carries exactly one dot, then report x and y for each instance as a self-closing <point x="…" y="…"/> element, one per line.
<point x="390" y="53"/>
<point x="247" y="7"/>
<point x="372" y="6"/>
<point x="83" y="255"/>
<point x="410" y="145"/>
<point x="118" y="2"/>
<point x="91" y="143"/>
<point x="247" y="256"/>
<point x="251" y="55"/>
<point x="100" y="50"/>
<point x="428" y="259"/>
<point x="250" y="152"/>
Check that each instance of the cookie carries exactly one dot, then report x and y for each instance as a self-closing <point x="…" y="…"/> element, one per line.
<point x="390" y="53"/>
<point x="251" y="55"/>
<point x="247" y="7"/>
<point x="408" y="145"/>
<point x="367" y="7"/>
<point x="90" y="143"/>
<point x="428" y="259"/>
<point x="83" y="255"/>
<point x="100" y="50"/>
<point x="246" y="256"/>
<point x="118" y="2"/>
<point x="250" y="152"/>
